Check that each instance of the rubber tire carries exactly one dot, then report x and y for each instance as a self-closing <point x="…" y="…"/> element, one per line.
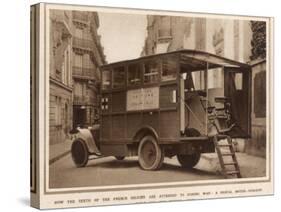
<point x="120" y="157"/>
<point x="79" y="153"/>
<point x="159" y="153"/>
<point x="189" y="161"/>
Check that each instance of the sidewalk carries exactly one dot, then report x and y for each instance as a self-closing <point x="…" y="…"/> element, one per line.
<point x="250" y="166"/>
<point x="57" y="151"/>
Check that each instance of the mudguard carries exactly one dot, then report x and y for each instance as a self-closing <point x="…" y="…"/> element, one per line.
<point x="86" y="135"/>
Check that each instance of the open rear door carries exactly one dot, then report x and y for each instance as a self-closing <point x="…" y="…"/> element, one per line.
<point x="237" y="87"/>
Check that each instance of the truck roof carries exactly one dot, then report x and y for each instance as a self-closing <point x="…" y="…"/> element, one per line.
<point x="194" y="58"/>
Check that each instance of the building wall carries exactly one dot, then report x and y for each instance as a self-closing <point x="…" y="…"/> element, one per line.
<point x="87" y="57"/>
<point x="224" y="37"/>
<point x="60" y="105"/>
<point x="60" y="118"/>
<point x="75" y="57"/>
<point x="257" y="144"/>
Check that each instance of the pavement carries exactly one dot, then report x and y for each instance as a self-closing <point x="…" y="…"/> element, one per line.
<point x="58" y="151"/>
<point x="109" y="171"/>
<point x="250" y="166"/>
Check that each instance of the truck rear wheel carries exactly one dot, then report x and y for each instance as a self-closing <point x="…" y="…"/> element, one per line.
<point x="79" y="153"/>
<point x="150" y="154"/>
<point x="189" y="161"/>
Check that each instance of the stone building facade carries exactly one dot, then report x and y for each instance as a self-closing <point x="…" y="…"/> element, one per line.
<point x="87" y="57"/>
<point x="225" y="37"/>
<point x="229" y="38"/>
<point x="60" y="109"/>
<point x="257" y="145"/>
<point x="75" y="57"/>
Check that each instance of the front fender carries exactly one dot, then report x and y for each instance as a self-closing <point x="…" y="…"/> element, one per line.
<point x="86" y="135"/>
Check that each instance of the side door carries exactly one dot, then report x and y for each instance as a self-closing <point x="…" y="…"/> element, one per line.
<point x="237" y="87"/>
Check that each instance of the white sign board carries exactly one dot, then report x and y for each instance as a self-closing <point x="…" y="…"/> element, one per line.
<point x="143" y="99"/>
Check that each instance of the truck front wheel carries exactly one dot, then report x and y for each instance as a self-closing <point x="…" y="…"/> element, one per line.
<point x="79" y="153"/>
<point x="189" y="161"/>
<point x="150" y="154"/>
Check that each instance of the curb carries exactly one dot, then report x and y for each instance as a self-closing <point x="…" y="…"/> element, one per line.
<point x="51" y="161"/>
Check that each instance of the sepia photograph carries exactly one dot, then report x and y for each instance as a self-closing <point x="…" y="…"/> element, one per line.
<point x="137" y="99"/>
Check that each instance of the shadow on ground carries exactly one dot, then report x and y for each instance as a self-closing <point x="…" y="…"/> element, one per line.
<point x="115" y="164"/>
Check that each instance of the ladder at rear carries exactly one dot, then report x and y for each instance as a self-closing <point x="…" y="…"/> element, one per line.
<point x="227" y="158"/>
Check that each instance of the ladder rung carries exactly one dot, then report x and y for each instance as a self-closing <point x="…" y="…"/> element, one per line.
<point x="230" y="163"/>
<point x="225" y="145"/>
<point x="227" y="154"/>
<point x="222" y="117"/>
<point x="232" y="172"/>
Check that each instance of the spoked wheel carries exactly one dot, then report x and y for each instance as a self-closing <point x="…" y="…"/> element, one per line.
<point x="189" y="161"/>
<point x="120" y="157"/>
<point x="150" y="154"/>
<point x="79" y="153"/>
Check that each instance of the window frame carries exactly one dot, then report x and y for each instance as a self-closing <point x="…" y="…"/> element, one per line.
<point x="205" y="76"/>
<point x="158" y="62"/>
<point x="113" y="69"/>
<point x="109" y="70"/>
<point x="175" y="59"/>
<point x="141" y="66"/>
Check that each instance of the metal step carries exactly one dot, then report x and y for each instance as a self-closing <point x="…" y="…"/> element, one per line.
<point x="227" y="154"/>
<point x="230" y="163"/>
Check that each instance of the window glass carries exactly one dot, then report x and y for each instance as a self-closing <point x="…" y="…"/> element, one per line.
<point x="169" y="69"/>
<point x="238" y="81"/>
<point x="134" y="74"/>
<point x="198" y="78"/>
<point x="215" y="78"/>
<point x="150" y="72"/>
<point x="119" y="77"/>
<point x="106" y="79"/>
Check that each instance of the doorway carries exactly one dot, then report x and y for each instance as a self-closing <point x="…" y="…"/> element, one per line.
<point x="79" y="116"/>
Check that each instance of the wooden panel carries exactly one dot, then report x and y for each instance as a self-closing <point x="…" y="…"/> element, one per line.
<point x="197" y="118"/>
<point x="169" y="125"/>
<point x="118" y="127"/>
<point x="134" y="123"/>
<point x="168" y="96"/>
<point x="114" y="150"/>
<point x="106" y="127"/>
<point x="118" y="102"/>
<point x="151" y="119"/>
